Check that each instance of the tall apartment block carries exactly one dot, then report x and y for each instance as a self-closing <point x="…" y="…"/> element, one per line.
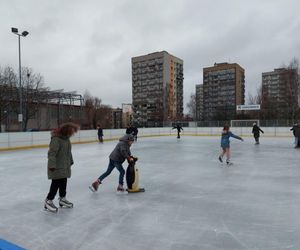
<point x="117" y="118"/>
<point x="157" y="88"/>
<point x="126" y="114"/>
<point x="280" y="91"/>
<point x="223" y="89"/>
<point x="199" y="102"/>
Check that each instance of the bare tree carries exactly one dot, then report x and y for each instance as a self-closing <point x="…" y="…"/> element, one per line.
<point x="104" y="116"/>
<point x="96" y="112"/>
<point x="32" y="84"/>
<point x="89" y="108"/>
<point x="191" y="105"/>
<point x="255" y="99"/>
<point x="8" y="103"/>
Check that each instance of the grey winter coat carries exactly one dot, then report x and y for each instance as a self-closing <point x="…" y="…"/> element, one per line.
<point x="122" y="150"/>
<point x="59" y="157"/>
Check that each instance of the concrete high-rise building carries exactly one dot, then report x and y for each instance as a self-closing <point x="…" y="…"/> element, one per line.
<point x="280" y="93"/>
<point x="126" y="114"/>
<point x="157" y="88"/>
<point x="199" y="102"/>
<point x="117" y="115"/>
<point x="223" y="90"/>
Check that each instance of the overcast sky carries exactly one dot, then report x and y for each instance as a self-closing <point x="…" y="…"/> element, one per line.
<point x="79" y="45"/>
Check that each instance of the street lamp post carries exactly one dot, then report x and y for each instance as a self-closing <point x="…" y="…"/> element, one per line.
<point x="24" y="33"/>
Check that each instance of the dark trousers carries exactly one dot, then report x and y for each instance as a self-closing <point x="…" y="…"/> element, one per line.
<point x="178" y="134"/>
<point x="114" y="164"/>
<point x="60" y="184"/>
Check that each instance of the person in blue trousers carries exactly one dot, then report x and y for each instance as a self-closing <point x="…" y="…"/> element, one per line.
<point x="225" y="144"/>
<point x="116" y="159"/>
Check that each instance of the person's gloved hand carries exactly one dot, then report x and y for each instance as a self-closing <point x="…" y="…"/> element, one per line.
<point x="130" y="159"/>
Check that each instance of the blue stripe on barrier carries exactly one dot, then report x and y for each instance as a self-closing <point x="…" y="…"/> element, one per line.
<point x="5" y="245"/>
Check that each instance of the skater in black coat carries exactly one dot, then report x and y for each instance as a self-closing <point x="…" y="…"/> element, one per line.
<point x="296" y="132"/>
<point x="256" y="132"/>
<point x="295" y="129"/>
<point x="100" y="133"/>
<point x="135" y="132"/>
<point x="129" y="130"/>
<point x="179" y="128"/>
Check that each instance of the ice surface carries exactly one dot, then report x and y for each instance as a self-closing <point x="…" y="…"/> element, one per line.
<point x="191" y="201"/>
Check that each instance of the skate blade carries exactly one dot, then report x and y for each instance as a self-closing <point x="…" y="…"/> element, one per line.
<point x="64" y="206"/>
<point x="92" y="189"/>
<point x="121" y="192"/>
<point x="51" y="211"/>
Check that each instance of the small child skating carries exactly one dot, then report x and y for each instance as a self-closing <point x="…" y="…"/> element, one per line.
<point x="256" y="132"/>
<point x="100" y="133"/>
<point x="225" y="144"/>
<point x="60" y="161"/>
<point x="116" y="159"/>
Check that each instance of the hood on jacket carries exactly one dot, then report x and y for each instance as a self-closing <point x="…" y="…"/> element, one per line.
<point x="62" y="131"/>
<point x="127" y="138"/>
<point x="55" y="132"/>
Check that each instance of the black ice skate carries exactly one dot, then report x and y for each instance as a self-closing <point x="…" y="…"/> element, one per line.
<point x="229" y="163"/>
<point x="220" y="159"/>
<point x="95" y="185"/>
<point x="49" y="205"/>
<point x="63" y="202"/>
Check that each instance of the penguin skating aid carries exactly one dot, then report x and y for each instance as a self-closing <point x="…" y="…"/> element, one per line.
<point x="132" y="178"/>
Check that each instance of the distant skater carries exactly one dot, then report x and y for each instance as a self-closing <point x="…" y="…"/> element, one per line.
<point x="256" y="132"/>
<point x="296" y="133"/>
<point x="129" y="130"/>
<point x="116" y="159"/>
<point x="60" y="161"/>
<point x="132" y="130"/>
<point x="100" y="133"/>
<point x="225" y="144"/>
<point x="135" y="132"/>
<point x="179" y="129"/>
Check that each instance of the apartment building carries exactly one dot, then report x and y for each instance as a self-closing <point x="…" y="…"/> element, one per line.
<point x="199" y="102"/>
<point x="223" y="90"/>
<point x="157" y="88"/>
<point x="280" y="92"/>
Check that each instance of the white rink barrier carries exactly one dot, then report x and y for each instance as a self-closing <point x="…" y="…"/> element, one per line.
<point x="15" y="140"/>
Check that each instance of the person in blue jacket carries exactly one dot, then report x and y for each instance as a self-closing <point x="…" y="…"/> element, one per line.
<point x="225" y="144"/>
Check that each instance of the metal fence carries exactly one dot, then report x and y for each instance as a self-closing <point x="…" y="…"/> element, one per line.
<point x="262" y="123"/>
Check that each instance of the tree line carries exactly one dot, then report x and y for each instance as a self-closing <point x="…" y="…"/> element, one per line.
<point x="32" y="94"/>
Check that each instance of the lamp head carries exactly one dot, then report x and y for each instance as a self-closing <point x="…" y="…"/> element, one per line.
<point x="25" y="33"/>
<point x="14" y="30"/>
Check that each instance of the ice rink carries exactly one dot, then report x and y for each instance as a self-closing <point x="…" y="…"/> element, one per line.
<point x="191" y="201"/>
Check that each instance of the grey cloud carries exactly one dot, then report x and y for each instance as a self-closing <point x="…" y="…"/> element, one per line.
<point x="82" y="45"/>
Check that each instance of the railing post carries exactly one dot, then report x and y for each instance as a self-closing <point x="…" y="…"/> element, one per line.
<point x="31" y="138"/>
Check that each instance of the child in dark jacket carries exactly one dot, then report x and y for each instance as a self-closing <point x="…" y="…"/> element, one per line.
<point x="116" y="159"/>
<point x="100" y="133"/>
<point x="225" y="144"/>
<point x="256" y="132"/>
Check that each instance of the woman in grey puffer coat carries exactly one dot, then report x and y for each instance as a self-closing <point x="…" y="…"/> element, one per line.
<point x="60" y="161"/>
<point x="116" y="158"/>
